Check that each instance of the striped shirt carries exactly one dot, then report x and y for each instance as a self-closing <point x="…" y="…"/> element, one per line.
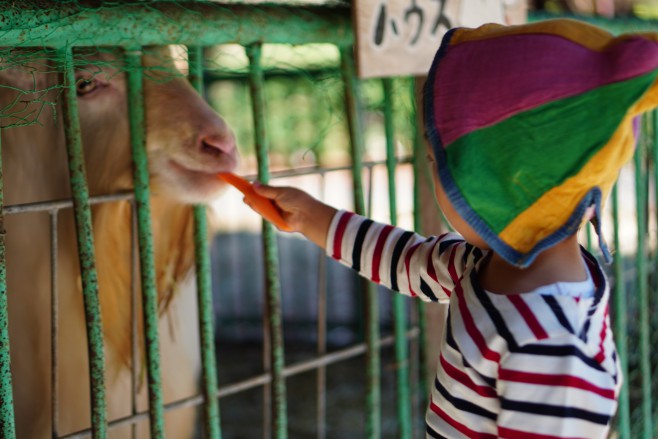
<point x="538" y="365"/>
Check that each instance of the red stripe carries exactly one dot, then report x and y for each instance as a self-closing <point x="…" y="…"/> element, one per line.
<point x="459" y="426"/>
<point x="554" y="380"/>
<point x="508" y="433"/>
<point x="451" y="266"/>
<point x="430" y="263"/>
<point x="466" y="380"/>
<point x="407" y="263"/>
<point x="340" y="231"/>
<point x="601" y="355"/>
<point x="471" y="327"/>
<point x="528" y="316"/>
<point x="377" y="256"/>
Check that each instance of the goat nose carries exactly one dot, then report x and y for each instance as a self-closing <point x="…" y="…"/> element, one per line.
<point x="217" y="144"/>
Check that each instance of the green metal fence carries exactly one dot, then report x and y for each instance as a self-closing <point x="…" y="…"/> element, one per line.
<point x="198" y="25"/>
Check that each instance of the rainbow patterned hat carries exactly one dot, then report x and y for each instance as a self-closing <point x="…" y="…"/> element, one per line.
<point x="530" y="125"/>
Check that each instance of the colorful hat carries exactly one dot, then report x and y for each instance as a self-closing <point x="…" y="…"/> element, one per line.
<point x="530" y="125"/>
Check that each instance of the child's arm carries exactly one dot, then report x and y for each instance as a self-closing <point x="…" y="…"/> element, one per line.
<point x="300" y="211"/>
<point x="399" y="259"/>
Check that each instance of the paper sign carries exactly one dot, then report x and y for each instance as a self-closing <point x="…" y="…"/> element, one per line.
<point x="400" y="37"/>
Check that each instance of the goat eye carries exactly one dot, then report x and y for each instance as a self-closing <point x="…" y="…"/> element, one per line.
<point x="86" y="86"/>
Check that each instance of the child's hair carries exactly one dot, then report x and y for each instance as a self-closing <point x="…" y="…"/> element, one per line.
<point x="530" y="125"/>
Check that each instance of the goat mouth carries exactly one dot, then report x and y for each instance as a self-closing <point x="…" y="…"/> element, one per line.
<point x="198" y="173"/>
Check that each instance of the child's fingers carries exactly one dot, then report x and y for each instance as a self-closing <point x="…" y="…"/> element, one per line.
<point x="267" y="191"/>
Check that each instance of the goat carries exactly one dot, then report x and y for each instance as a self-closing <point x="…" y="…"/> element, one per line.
<point x="187" y="144"/>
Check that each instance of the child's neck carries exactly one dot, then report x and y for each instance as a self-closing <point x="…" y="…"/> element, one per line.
<point x="560" y="263"/>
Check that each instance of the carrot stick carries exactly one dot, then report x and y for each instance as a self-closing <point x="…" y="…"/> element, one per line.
<point x="262" y="205"/>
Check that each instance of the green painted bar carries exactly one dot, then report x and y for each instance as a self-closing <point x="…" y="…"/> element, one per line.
<point x="85" y="240"/>
<point x="418" y="154"/>
<point x="133" y="59"/>
<point x="642" y="291"/>
<point x="204" y="286"/>
<point x="357" y="145"/>
<point x="270" y="251"/>
<point x="7" y="424"/>
<point x="399" y="303"/>
<point x="199" y="23"/>
<point x="620" y="324"/>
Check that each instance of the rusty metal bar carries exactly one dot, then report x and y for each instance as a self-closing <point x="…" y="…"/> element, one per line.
<point x="357" y="144"/>
<point x="54" y="323"/>
<point x="85" y="239"/>
<point x="7" y="423"/>
<point x="133" y="59"/>
<point x="321" y="378"/>
<point x="189" y="23"/>
<point x="204" y="288"/>
<point x="399" y="308"/>
<point x="270" y="251"/>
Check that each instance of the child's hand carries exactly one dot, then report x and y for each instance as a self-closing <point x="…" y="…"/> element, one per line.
<point x="301" y="212"/>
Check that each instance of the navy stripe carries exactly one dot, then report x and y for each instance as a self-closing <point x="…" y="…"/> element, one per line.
<point x="434" y="434"/>
<point x="559" y="314"/>
<point x="554" y="410"/>
<point x="560" y="351"/>
<point x="477" y="255"/>
<point x="450" y="340"/>
<point x="427" y="290"/>
<point x="444" y="245"/>
<point x="462" y="404"/>
<point x="494" y="314"/>
<point x="358" y="244"/>
<point x="395" y="258"/>
<point x="468" y="248"/>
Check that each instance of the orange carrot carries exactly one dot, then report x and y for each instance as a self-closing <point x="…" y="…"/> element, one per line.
<point x="262" y="205"/>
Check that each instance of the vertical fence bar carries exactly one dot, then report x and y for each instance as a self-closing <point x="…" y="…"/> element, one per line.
<point x="321" y="380"/>
<point x="204" y="288"/>
<point x="399" y="308"/>
<point x="133" y="59"/>
<point x="270" y="250"/>
<point x="85" y="239"/>
<point x="54" y="324"/>
<point x="621" y="321"/>
<point x="7" y="424"/>
<point x="418" y="154"/>
<point x="643" y="294"/>
<point x="134" y="311"/>
<point x="353" y="111"/>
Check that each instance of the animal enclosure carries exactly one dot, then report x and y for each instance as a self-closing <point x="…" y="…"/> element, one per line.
<point x="103" y="330"/>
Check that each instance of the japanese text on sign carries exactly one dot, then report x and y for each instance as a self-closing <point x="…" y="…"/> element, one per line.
<point x="400" y="37"/>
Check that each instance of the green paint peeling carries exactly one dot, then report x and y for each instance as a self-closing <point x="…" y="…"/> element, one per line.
<point x="85" y="238"/>
<point x="145" y="240"/>
<point x="204" y="288"/>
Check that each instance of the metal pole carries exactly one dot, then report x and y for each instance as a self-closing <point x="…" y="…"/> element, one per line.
<point x="145" y="239"/>
<point x="643" y="294"/>
<point x="620" y="322"/>
<point x="399" y="308"/>
<point x="204" y="288"/>
<point x="353" y="110"/>
<point x="85" y="239"/>
<point x="270" y="250"/>
<point x="7" y="424"/>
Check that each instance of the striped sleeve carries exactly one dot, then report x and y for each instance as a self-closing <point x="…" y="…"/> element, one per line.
<point x="552" y="389"/>
<point x="401" y="260"/>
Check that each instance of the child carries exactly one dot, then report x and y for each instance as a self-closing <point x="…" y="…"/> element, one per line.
<point x="528" y="127"/>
